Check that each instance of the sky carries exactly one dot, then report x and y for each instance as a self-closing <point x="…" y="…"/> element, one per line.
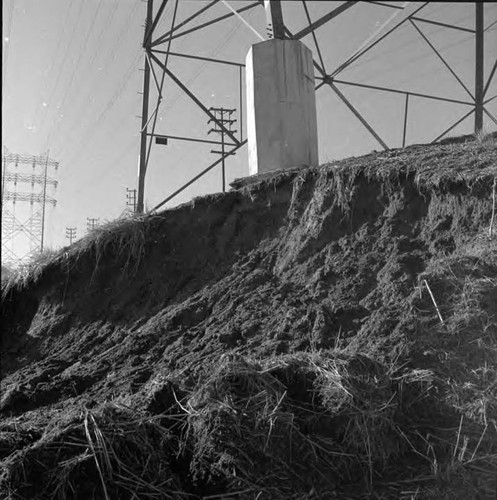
<point x="72" y="73"/>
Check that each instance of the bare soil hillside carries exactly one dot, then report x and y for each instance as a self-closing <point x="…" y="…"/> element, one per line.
<point x="312" y="334"/>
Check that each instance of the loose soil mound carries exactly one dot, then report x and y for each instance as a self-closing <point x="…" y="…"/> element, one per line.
<point x="314" y="334"/>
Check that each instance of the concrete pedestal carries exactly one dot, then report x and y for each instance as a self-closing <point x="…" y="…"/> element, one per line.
<point x="281" y="106"/>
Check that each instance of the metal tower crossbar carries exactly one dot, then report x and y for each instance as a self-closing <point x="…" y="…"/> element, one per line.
<point x="29" y="160"/>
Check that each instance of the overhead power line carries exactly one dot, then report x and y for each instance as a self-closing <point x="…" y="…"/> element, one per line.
<point x="62" y="67"/>
<point x="79" y="119"/>
<point x="44" y="90"/>
<point x="7" y="41"/>
<point x="99" y="120"/>
<point x="57" y="123"/>
<point x="80" y="108"/>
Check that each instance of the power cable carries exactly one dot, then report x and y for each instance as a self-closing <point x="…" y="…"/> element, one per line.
<point x="114" y="163"/>
<point x="368" y="44"/>
<point x="56" y="125"/>
<point x="62" y="66"/>
<point x="99" y="120"/>
<point x="490" y="26"/>
<point x="431" y="72"/>
<point x="194" y="77"/>
<point x="83" y="97"/>
<point x="107" y="63"/>
<point x="52" y="63"/>
<point x="89" y="138"/>
<point x="191" y="80"/>
<point x="110" y="58"/>
<point x="213" y="53"/>
<point x="90" y="88"/>
<point x="106" y="26"/>
<point x="394" y="66"/>
<point x="376" y="55"/>
<point x="7" y="41"/>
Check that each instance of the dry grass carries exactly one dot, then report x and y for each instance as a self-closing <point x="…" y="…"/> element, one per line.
<point x="327" y="424"/>
<point x="309" y="425"/>
<point x="325" y="419"/>
<point x="485" y="138"/>
<point x="340" y="424"/>
<point x="474" y="162"/>
<point x="110" y="453"/>
<point x="20" y="276"/>
<point x="123" y="239"/>
<point x="309" y="420"/>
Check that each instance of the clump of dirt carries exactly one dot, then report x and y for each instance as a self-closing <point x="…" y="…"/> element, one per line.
<point x="314" y="333"/>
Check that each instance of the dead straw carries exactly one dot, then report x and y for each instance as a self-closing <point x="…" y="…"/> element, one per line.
<point x="434" y="301"/>
<point x="493" y="208"/>
<point x="92" y="446"/>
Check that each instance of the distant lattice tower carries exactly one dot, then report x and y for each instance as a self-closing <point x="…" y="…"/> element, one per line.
<point x="24" y="212"/>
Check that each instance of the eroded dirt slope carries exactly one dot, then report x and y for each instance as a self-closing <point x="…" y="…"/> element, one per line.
<point x="296" y="276"/>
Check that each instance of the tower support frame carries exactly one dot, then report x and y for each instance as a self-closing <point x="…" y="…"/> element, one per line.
<point x="15" y="226"/>
<point x="156" y="60"/>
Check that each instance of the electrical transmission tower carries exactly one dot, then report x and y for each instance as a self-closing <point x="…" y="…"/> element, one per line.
<point x="23" y="233"/>
<point x="168" y="29"/>
<point x="71" y="234"/>
<point x="223" y="124"/>
<point x="91" y="223"/>
<point x="131" y="199"/>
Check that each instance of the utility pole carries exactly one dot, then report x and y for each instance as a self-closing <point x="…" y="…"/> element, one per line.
<point x="223" y="117"/>
<point x="479" y="68"/>
<point x="142" y="167"/>
<point x="91" y="223"/>
<point x="71" y="234"/>
<point x="131" y="199"/>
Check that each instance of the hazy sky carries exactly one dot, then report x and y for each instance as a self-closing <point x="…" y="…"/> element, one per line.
<point x="71" y="82"/>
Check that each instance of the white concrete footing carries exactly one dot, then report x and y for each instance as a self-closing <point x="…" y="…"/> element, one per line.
<point x="281" y="106"/>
